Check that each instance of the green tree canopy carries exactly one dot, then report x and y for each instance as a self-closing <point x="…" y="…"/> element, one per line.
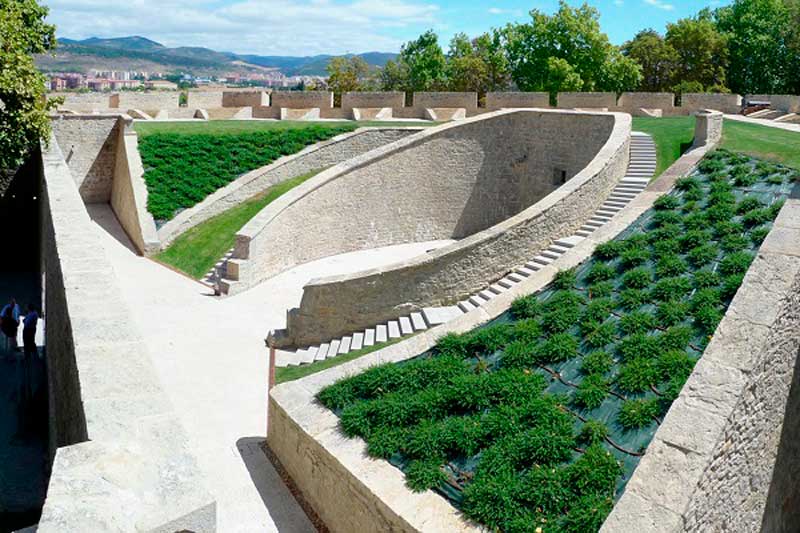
<point x="23" y="108"/>
<point x="701" y="49"/>
<point x="421" y="66"/>
<point x="346" y="74"/>
<point x="657" y="59"/>
<point x="476" y="65"/>
<point x="567" y="46"/>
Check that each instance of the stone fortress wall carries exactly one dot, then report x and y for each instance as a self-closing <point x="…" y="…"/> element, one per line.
<point x="480" y="181"/>
<point x="120" y="457"/>
<point x="500" y="100"/>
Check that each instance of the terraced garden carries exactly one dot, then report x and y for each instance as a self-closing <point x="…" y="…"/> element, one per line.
<point x="536" y="421"/>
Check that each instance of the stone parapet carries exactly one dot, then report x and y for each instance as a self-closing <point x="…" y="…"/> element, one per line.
<point x="302" y="99"/>
<point x="431" y="100"/>
<point x="726" y="103"/>
<point x="515" y="100"/>
<point x="570" y="100"/>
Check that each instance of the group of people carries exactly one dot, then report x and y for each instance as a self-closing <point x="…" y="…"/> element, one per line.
<point x="9" y="324"/>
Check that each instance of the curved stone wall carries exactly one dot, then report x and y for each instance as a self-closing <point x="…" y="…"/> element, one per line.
<point x="320" y="155"/>
<point x="481" y="180"/>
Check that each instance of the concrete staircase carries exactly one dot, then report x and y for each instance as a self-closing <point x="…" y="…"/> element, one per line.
<point x="641" y="168"/>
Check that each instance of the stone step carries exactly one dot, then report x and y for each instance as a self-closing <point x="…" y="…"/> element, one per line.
<point x="498" y="288"/>
<point x="558" y="248"/>
<point x="569" y="242"/>
<point x="344" y="347"/>
<point x="418" y="321"/>
<point x="466" y="306"/>
<point x="542" y="260"/>
<point x="594" y="223"/>
<point x="369" y="337"/>
<point x="532" y="265"/>
<point x="635" y="181"/>
<point x="476" y="300"/>
<point x="322" y="352"/>
<point x="622" y="195"/>
<point x="486" y="294"/>
<point x="393" y="329"/>
<point x="550" y="254"/>
<point x="307" y="355"/>
<point x="614" y="203"/>
<point x="358" y="341"/>
<point x="405" y="326"/>
<point x="381" y="333"/>
<point x="583" y="233"/>
<point x="525" y="271"/>
<point x="439" y="315"/>
<point x="506" y="282"/>
<point x="624" y="200"/>
<point x="515" y="277"/>
<point x="333" y="349"/>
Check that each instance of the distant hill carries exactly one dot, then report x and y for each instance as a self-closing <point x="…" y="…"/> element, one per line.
<point x="140" y="53"/>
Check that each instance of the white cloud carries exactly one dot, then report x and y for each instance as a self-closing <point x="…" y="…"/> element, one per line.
<point x="619" y="2"/>
<point x="501" y="11"/>
<point x="268" y="27"/>
<point x="660" y="5"/>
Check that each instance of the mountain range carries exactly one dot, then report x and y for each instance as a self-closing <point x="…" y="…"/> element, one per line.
<point x="142" y="54"/>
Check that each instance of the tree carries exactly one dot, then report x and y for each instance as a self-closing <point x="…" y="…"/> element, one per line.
<point x="539" y="53"/>
<point x="701" y="49"/>
<point x="424" y="63"/>
<point x="793" y="45"/>
<point x="346" y="74"/>
<point x="656" y="57"/>
<point x="476" y="65"/>
<point x="23" y="107"/>
<point x="758" y="32"/>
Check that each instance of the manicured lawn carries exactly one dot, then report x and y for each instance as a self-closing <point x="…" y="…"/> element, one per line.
<point x="539" y="418"/>
<point x="198" y="249"/>
<point x="291" y="373"/>
<point x="220" y="127"/>
<point x="672" y="135"/>
<point x="763" y="142"/>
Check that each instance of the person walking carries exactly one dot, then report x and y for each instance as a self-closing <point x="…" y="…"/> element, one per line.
<point x="9" y="324"/>
<point x="29" y="324"/>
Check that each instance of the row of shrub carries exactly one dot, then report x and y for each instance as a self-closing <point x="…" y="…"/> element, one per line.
<point x="486" y="413"/>
<point x="182" y="169"/>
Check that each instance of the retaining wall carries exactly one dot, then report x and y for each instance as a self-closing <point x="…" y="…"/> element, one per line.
<point x="499" y="100"/>
<point x="587" y="100"/>
<point x="727" y="103"/>
<point x="89" y="144"/>
<point x="372" y="100"/>
<point x="785" y="102"/>
<point x="83" y="102"/>
<point x="146" y="100"/>
<point x="302" y="99"/>
<point x="632" y="102"/>
<point x="318" y="156"/>
<point x="122" y="461"/>
<point x="204" y="99"/>
<point x="245" y="98"/>
<point x="481" y="181"/>
<point x="433" y="100"/>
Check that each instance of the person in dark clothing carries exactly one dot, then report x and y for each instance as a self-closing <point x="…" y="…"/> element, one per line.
<point x="9" y="324"/>
<point x="29" y="324"/>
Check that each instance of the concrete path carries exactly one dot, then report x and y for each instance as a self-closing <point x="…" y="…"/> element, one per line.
<point x="210" y="356"/>
<point x="764" y="122"/>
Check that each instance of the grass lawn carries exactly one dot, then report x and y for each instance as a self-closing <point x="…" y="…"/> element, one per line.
<point x="672" y="135"/>
<point x="198" y="249"/>
<point x="220" y="127"/>
<point x="773" y="144"/>
<point x="291" y="373"/>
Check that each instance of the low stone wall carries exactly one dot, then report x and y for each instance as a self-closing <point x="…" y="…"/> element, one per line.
<point x="318" y="156"/>
<point x="129" y="191"/>
<point x="511" y="100"/>
<point x="785" y="102"/>
<point x="83" y="102"/>
<point x="372" y="100"/>
<point x="429" y="100"/>
<point x="587" y="100"/>
<point x="245" y="98"/>
<point x="146" y="100"/>
<point x="121" y="458"/>
<point x="632" y="102"/>
<point x="302" y="99"/>
<point x="204" y="99"/>
<point x="89" y="143"/>
<point x="727" y="103"/>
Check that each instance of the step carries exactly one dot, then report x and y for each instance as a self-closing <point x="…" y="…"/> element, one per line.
<point x="439" y="315"/>
<point x="418" y="321"/>
<point x="550" y="254"/>
<point x="393" y="329"/>
<point x="498" y="288"/>
<point x="542" y="260"/>
<point x="476" y="300"/>
<point x="627" y="196"/>
<point x="525" y="271"/>
<point x="635" y="181"/>
<point x="614" y="203"/>
<point x="569" y="242"/>
<point x="405" y="326"/>
<point x="333" y="349"/>
<point x="369" y="337"/>
<point x="358" y="341"/>
<point x="532" y="265"/>
<point x="507" y="283"/>
<point x="588" y="228"/>
<point x="322" y="352"/>
<point x="486" y="294"/>
<point x="467" y="306"/>
<point x="513" y="276"/>
<point x="307" y="355"/>
<point x="594" y="223"/>
<point x="583" y="233"/>
<point x="381" y="333"/>
<point x="344" y="347"/>
<point x="558" y="248"/>
<point x="624" y="200"/>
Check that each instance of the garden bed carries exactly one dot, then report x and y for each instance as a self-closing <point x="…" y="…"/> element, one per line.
<point x="538" y="419"/>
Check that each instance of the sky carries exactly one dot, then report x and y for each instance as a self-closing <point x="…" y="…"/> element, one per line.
<point x="311" y="27"/>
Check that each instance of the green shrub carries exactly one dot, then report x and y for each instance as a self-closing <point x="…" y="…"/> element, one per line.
<point x="519" y="354"/>
<point x="664" y="232"/>
<point x="565" y="279"/>
<point x="559" y="347"/>
<point x="707" y="318"/>
<point x="593" y="432"/>
<point x="489" y="339"/>
<point x="675" y="338"/>
<point x="542" y="488"/>
<point x="705" y="278"/>
<point x="666" y="247"/>
<point x="600" y="272"/>
<point x="487" y="499"/>
<point x="597" y="310"/>
<point x="756" y="217"/>
<point x="670" y="265"/>
<point x="638" y="278"/>
<point x="636" y="414"/>
<point x="601" y="289"/>
<point x="735" y="263"/>
<point x="694" y="238"/>
<point x="587" y="514"/>
<point x="695" y="221"/>
<point x="666" y="218"/>
<point x="775" y="208"/>
<point x="721" y="186"/>
<point x="674" y="363"/>
<point x="527" y="330"/>
<point x="385" y="443"/>
<point x="691" y="205"/>
<point x="745" y="179"/>
<point x="721" y="198"/>
<point x="600" y="335"/>
<point x="526" y="307"/>
<point x="453" y="344"/>
<point x="691" y="196"/>
<point x="596" y="363"/>
<point x="608" y="250"/>
<point x="633" y="257"/>
<point x="671" y="313"/>
<point x="561" y="311"/>
<point x="747" y="204"/>
<point x="709" y="165"/>
<point x="595" y="472"/>
<point x="703" y="254"/>
<point x="424" y="475"/>
<point x="638" y="345"/>
<point x="687" y="184"/>
<point x="758" y="235"/>
<point x="705" y="297"/>
<point x="666" y="202"/>
<point x="591" y="392"/>
<point x="632" y="298"/>
<point x="723" y="229"/>
<point x="637" y="375"/>
<point x="671" y="289"/>
<point x="719" y="213"/>
<point x="730" y="285"/>
<point x="734" y="243"/>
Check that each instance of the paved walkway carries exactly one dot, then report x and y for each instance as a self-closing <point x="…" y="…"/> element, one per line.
<point x="210" y="356"/>
<point x="764" y="122"/>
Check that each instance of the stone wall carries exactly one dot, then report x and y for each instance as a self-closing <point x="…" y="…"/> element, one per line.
<point x="89" y="144"/>
<point x="245" y="98"/>
<point x="631" y="102"/>
<point x="122" y="461"/>
<point x="129" y="192"/>
<point x="433" y="100"/>
<point x="83" y="102"/>
<point x="372" y="100"/>
<point x="204" y="99"/>
<point x="499" y="100"/>
<point x="785" y="102"/>
<point x="302" y="99"/>
<point x="147" y="100"/>
<point x="727" y="103"/>
<point x="587" y="100"/>
<point x="318" y="156"/>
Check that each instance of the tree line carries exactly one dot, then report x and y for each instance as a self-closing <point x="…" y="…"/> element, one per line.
<point x="748" y="47"/>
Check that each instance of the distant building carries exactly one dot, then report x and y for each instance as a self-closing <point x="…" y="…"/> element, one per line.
<point x="161" y="84"/>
